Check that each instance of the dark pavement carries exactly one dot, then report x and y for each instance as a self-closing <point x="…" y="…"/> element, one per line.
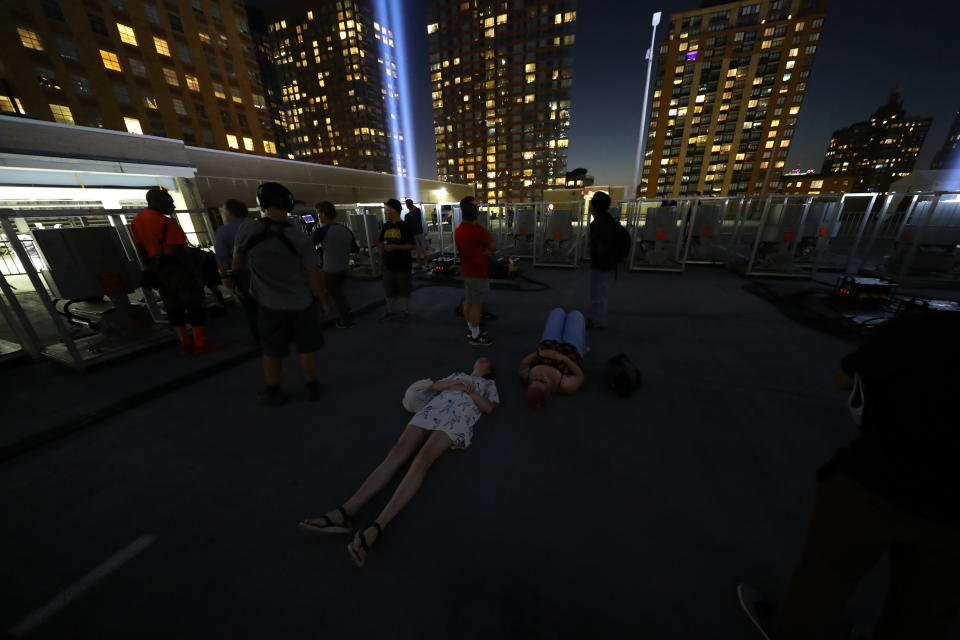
<point x="596" y="517"/>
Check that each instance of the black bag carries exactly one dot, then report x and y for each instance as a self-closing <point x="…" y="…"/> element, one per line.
<point x="150" y="276"/>
<point x="622" y="375"/>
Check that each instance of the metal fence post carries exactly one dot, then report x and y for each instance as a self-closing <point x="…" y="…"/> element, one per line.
<point x="860" y="229"/>
<point x="915" y="246"/>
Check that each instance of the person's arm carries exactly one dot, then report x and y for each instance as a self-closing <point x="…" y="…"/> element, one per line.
<point x="524" y="369"/>
<point x="574" y="368"/>
<point x="482" y="403"/>
<point x="315" y="279"/>
<point x="571" y="383"/>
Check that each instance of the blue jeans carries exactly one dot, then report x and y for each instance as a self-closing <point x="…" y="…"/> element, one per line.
<point x="599" y="285"/>
<point x="570" y="328"/>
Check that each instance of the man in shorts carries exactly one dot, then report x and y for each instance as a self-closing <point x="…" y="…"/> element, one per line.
<point x="475" y="245"/>
<point x="285" y="280"/>
<point x="396" y="243"/>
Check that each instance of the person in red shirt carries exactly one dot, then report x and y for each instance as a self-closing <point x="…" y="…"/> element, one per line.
<point x="475" y="246"/>
<point x="163" y="248"/>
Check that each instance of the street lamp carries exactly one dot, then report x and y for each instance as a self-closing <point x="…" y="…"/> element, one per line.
<point x="642" y="142"/>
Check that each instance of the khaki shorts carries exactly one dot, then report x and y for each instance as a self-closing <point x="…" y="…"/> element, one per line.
<point x="478" y="289"/>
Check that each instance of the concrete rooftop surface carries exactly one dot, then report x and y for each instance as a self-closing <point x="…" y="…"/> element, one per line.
<point x="596" y="517"/>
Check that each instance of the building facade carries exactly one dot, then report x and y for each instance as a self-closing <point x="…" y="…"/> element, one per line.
<point x="183" y="69"/>
<point x="880" y="150"/>
<point x="502" y="73"/>
<point x="815" y="184"/>
<point x="948" y="157"/>
<point x="730" y="83"/>
<point x="330" y="60"/>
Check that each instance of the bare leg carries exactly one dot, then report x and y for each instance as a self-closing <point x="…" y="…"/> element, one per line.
<point x="411" y="438"/>
<point x="476" y="314"/>
<point x="433" y="448"/>
<point x="308" y="362"/>
<point x="271" y="370"/>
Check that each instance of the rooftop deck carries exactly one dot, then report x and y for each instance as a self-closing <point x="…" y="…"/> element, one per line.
<point x="595" y="517"/>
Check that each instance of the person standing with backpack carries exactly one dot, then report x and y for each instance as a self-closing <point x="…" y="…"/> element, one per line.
<point x="609" y="246"/>
<point x="285" y="279"/>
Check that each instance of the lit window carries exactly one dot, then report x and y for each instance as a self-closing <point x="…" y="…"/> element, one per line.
<point x="235" y="95"/>
<point x="133" y="125"/>
<point x="248" y="144"/>
<point x="127" y="35"/>
<point x="30" y="39"/>
<point x="110" y="60"/>
<point x="232" y="141"/>
<point x="161" y="45"/>
<point x="432" y="28"/>
<point x="794" y="53"/>
<point x="529" y="98"/>
<point x="218" y="91"/>
<point x="171" y="77"/>
<point x="192" y="83"/>
<point x="62" y="113"/>
<point x="6" y="104"/>
<point x="150" y="101"/>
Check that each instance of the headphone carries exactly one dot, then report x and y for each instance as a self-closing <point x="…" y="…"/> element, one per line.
<point x="274" y="194"/>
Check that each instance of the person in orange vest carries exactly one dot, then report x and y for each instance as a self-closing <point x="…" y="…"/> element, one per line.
<point x="163" y="248"/>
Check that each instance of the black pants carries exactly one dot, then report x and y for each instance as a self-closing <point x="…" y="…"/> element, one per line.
<point x="181" y="292"/>
<point x="335" y="282"/>
<point x="851" y="529"/>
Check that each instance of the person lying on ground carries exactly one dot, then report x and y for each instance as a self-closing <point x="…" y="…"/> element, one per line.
<point x="555" y="367"/>
<point x="446" y="422"/>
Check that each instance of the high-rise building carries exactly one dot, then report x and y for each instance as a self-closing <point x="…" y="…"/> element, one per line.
<point x="502" y="73"/>
<point x="730" y="83"/>
<point x="330" y="59"/>
<point x="174" y="68"/>
<point x="880" y="150"/>
<point x="948" y="157"/>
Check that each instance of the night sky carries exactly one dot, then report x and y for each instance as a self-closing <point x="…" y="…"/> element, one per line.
<point x="867" y="47"/>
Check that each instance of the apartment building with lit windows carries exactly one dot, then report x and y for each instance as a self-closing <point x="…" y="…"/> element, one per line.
<point x="330" y="59"/>
<point x="181" y="69"/>
<point x="880" y="150"/>
<point x="730" y="83"/>
<point x="501" y="75"/>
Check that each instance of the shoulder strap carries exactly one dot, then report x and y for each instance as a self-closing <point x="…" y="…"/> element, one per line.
<point x="163" y="236"/>
<point x="270" y="229"/>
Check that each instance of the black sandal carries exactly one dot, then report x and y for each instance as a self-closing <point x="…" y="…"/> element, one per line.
<point x="357" y="560"/>
<point x="328" y="526"/>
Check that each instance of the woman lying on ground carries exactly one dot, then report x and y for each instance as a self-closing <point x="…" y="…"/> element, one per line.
<point x="555" y="366"/>
<point x="445" y="422"/>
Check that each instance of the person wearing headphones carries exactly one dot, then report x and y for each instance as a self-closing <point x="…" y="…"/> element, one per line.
<point x="162" y="245"/>
<point x="285" y="279"/>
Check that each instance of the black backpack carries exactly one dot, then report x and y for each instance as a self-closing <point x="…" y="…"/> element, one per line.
<point x="621" y="242"/>
<point x="622" y="375"/>
<point x="612" y="244"/>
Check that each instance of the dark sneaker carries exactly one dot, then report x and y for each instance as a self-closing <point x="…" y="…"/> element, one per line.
<point x="271" y="396"/>
<point x="313" y="391"/>
<point x="343" y="325"/>
<point x="482" y="340"/>
<point x="389" y="316"/>
<point x="758" y="610"/>
<point x="404" y="316"/>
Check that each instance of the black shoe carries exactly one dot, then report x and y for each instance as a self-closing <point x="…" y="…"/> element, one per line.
<point x="758" y="610"/>
<point x="482" y="340"/>
<point x="388" y="316"/>
<point x="272" y="396"/>
<point x="343" y="325"/>
<point x="313" y="391"/>
<point x="404" y="316"/>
